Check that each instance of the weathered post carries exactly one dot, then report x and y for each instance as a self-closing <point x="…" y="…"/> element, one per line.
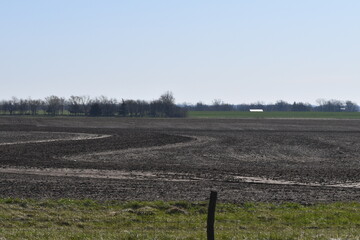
<point x="211" y="216"/>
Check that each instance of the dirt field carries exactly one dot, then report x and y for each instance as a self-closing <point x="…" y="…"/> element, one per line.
<point x="271" y="160"/>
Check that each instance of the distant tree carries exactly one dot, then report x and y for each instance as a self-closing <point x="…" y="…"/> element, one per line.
<point x="216" y="105"/>
<point x="4" y="107"/>
<point x="329" y="105"/>
<point x="15" y="104"/>
<point x="62" y="105"/>
<point x="282" y="106"/>
<point x="332" y="106"/>
<point x="85" y="102"/>
<point x="123" y="109"/>
<point x="167" y="98"/>
<point x="95" y="109"/>
<point x="2" y="111"/>
<point x="351" y="106"/>
<point x="219" y="105"/>
<point x="143" y="108"/>
<point x="129" y="107"/>
<point x="167" y="103"/>
<point x="300" y="107"/>
<point x="320" y="104"/>
<point x="74" y="105"/>
<point x="156" y="108"/>
<point x="23" y="106"/>
<point x="9" y="106"/>
<point x="201" y="107"/>
<point x="108" y="105"/>
<point x="34" y="106"/>
<point x="257" y="105"/>
<point x="54" y="105"/>
<point x="242" y="107"/>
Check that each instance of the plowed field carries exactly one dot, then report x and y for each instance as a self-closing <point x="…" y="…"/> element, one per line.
<point x="272" y="160"/>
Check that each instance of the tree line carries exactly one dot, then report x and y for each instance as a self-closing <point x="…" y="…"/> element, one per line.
<point x="322" y="106"/>
<point x="164" y="106"/>
<point x="101" y="106"/>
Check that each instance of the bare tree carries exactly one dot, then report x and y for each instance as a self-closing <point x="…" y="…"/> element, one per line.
<point x="156" y="108"/>
<point x="200" y="106"/>
<point x="23" y="106"/>
<point x="85" y="102"/>
<point x="167" y="101"/>
<point x="143" y="108"/>
<point x="11" y="106"/>
<point x="53" y="105"/>
<point x="351" y="106"/>
<point x="108" y="105"/>
<point x="34" y="106"/>
<point x="123" y="108"/>
<point x="95" y="109"/>
<point x="75" y="105"/>
<point x="167" y="98"/>
<point x="7" y="106"/>
<point x="282" y="106"/>
<point x="62" y="105"/>
<point x="219" y="105"/>
<point x="132" y="108"/>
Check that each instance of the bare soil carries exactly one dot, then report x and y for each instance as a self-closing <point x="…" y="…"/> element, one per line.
<point x="271" y="160"/>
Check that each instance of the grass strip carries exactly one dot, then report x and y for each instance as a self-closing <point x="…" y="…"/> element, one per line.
<point x="88" y="219"/>
<point x="238" y="114"/>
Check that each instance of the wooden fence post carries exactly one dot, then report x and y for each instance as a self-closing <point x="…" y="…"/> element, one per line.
<point x="211" y="216"/>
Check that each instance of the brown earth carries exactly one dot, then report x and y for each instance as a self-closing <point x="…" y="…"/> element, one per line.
<point x="271" y="160"/>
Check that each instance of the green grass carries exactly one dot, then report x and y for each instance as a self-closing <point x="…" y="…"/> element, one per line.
<point x="238" y="114"/>
<point x="87" y="219"/>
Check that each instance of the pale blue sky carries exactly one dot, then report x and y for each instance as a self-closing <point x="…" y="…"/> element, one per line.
<point x="240" y="51"/>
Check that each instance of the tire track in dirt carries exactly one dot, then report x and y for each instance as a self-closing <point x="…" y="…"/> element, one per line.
<point x="196" y="141"/>
<point x="78" y="137"/>
<point x="157" y="176"/>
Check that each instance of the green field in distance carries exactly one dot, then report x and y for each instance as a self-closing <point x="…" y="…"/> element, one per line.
<point x="239" y="114"/>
